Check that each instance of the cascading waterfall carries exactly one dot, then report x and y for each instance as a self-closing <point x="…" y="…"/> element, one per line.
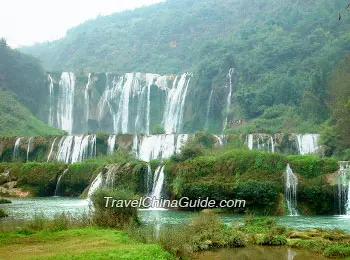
<point x="290" y="191"/>
<point x="175" y="102"/>
<point x="206" y="126"/>
<point x="343" y="180"/>
<point x="250" y="139"/>
<point x="111" y="144"/>
<point x="51" y="93"/>
<point x="159" y="146"/>
<point x="229" y="97"/>
<point x="87" y="99"/>
<point x="97" y="182"/>
<point x="66" y="102"/>
<point x="59" y="181"/>
<point x="28" y="147"/>
<point x="16" y="148"/>
<point x="73" y="149"/>
<point x="51" y="149"/>
<point x="307" y="143"/>
<point x="158" y="182"/>
<point x="272" y="144"/>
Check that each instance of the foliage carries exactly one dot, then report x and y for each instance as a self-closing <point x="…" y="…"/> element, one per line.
<point x="2" y="213"/>
<point x="113" y="217"/>
<point x="4" y="201"/>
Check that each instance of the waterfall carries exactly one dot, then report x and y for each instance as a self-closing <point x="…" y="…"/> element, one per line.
<point x="28" y="148"/>
<point x="51" y="149"/>
<point x="158" y="182"/>
<point x="206" y="126"/>
<point x="87" y="99"/>
<point x="66" y="102"/>
<point x="272" y="145"/>
<point x="16" y="148"/>
<point x="160" y="146"/>
<point x="290" y="189"/>
<point x="220" y="139"/>
<point x="175" y="102"/>
<point x="97" y="182"/>
<point x="59" y="180"/>
<point x="229" y="97"/>
<point x="51" y="92"/>
<point x="343" y="180"/>
<point x="73" y="149"/>
<point x="250" y="139"/>
<point x="111" y="144"/>
<point x="307" y="143"/>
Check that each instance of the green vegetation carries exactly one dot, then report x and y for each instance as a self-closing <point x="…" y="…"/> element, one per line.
<point x="4" y="201"/>
<point x="2" y="213"/>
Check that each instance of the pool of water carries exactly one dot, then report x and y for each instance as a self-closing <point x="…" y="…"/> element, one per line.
<point x="26" y="207"/>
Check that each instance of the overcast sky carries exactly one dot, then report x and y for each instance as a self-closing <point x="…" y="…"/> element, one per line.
<point x="25" y="22"/>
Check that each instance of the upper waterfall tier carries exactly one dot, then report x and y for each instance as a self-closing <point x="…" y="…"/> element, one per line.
<point x="140" y="103"/>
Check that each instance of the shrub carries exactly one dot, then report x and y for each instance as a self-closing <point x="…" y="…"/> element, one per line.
<point x="4" y="201"/>
<point x="3" y="213"/>
<point x="113" y="217"/>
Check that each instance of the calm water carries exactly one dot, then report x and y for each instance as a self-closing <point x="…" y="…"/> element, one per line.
<point x="25" y="208"/>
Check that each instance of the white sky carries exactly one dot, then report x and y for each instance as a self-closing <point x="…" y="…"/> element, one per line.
<point x="25" y="22"/>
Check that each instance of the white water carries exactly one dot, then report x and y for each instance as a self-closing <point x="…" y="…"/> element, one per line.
<point x="51" y="149"/>
<point x="51" y="93"/>
<point x="175" y="102"/>
<point x="307" y="143"/>
<point x="73" y="149"/>
<point x="158" y="146"/>
<point x="229" y="97"/>
<point x="206" y="126"/>
<point x="65" y="105"/>
<point x="343" y="180"/>
<point x="28" y="147"/>
<point x="111" y="144"/>
<point x="97" y="182"/>
<point x="220" y="139"/>
<point x="87" y="99"/>
<point x="272" y="144"/>
<point x="16" y="148"/>
<point x="158" y="182"/>
<point x="250" y="141"/>
<point x="290" y="191"/>
<point x="59" y="180"/>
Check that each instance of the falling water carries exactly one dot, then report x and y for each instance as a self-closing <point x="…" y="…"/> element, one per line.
<point x="343" y="180"/>
<point x="290" y="189"/>
<point x="206" y="126"/>
<point x="250" y="140"/>
<point x="158" y="182"/>
<point x="51" y="149"/>
<point x="16" y="148"/>
<point x="229" y="97"/>
<point x="87" y="99"/>
<point x="111" y="143"/>
<point x="272" y="144"/>
<point x="66" y="102"/>
<point x="307" y="143"/>
<point x="175" y="102"/>
<point x="97" y="182"/>
<point x="28" y="147"/>
<point x="73" y="149"/>
<point x="59" y="180"/>
<point x="51" y="92"/>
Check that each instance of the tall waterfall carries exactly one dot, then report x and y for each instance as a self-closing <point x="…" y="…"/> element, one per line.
<point x="16" y="148"/>
<point x="206" y="126"/>
<point x="229" y="97"/>
<point x="51" y="93"/>
<point x="307" y="143"/>
<point x="158" y="146"/>
<point x="111" y="144"/>
<point x="343" y="180"/>
<point x="65" y="104"/>
<point x="290" y="191"/>
<point x="73" y="149"/>
<point x="28" y="147"/>
<point x="174" y="107"/>
<point x="87" y="99"/>
<point x="158" y="182"/>
<point x="97" y="182"/>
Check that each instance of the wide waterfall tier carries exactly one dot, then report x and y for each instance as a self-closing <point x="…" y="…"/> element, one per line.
<point x="343" y="180"/>
<point x="290" y="191"/>
<point x="134" y="103"/>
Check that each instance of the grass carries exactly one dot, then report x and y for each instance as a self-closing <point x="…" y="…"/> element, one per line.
<point x="83" y="243"/>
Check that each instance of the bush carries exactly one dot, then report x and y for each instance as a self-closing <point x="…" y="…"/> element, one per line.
<point x="4" y="201"/>
<point x="190" y="150"/>
<point x="3" y="213"/>
<point x="113" y="217"/>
